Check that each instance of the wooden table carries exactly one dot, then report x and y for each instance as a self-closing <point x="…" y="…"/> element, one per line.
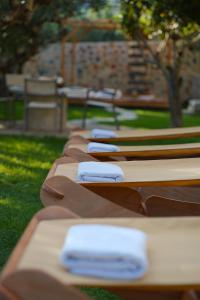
<point x="126" y="101"/>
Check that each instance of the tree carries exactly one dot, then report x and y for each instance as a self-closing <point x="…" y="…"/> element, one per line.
<point x="24" y="26"/>
<point x="174" y="23"/>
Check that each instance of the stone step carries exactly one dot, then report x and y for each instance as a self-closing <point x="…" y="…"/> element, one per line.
<point x="139" y="82"/>
<point x="136" y="73"/>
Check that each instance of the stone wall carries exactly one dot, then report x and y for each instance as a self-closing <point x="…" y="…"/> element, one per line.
<point x="110" y="64"/>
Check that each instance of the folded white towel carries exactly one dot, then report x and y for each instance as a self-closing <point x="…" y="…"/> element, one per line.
<point x="103" y="133"/>
<point x="99" y="172"/>
<point x="105" y="251"/>
<point x="100" y="147"/>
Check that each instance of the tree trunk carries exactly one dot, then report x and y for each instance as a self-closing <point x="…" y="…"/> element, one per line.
<point x="174" y="103"/>
<point x="3" y="89"/>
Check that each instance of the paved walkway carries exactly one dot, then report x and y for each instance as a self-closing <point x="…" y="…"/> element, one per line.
<point x="122" y="114"/>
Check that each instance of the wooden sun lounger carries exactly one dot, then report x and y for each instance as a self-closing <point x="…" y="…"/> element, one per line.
<point x="79" y="156"/>
<point x="61" y="191"/>
<point x="143" y="152"/>
<point x="98" y="201"/>
<point x="95" y="202"/>
<point x="34" y="272"/>
<point x="182" y="193"/>
<point x="84" y="203"/>
<point x="34" y="283"/>
<point x="174" y="172"/>
<point x="142" y="135"/>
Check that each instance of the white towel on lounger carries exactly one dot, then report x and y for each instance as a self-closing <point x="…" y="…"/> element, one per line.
<point x="99" y="172"/>
<point x="105" y="251"/>
<point x="103" y="133"/>
<point x="100" y="147"/>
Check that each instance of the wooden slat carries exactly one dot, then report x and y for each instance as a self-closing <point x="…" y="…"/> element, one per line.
<point x="173" y="252"/>
<point x="174" y="150"/>
<point x="139" y="134"/>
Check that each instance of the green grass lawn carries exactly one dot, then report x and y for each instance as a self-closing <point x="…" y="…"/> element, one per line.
<point x="24" y="163"/>
<point x="146" y="118"/>
<point x="75" y="112"/>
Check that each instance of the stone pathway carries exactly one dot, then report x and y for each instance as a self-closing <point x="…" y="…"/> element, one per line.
<point x="122" y="114"/>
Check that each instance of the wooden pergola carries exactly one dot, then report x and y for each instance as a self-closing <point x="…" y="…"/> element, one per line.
<point x="86" y="26"/>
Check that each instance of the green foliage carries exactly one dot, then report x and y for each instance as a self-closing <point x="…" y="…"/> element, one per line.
<point x="111" y="10"/>
<point x="26" y="25"/>
<point x="161" y="18"/>
<point x="99" y="35"/>
<point x="180" y="11"/>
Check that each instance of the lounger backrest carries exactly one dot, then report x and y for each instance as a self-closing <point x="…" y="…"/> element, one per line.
<point x="164" y="207"/>
<point x="79" y="155"/>
<point x="61" y="191"/>
<point x="32" y="285"/>
<point x="124" y="197"/>
<point x="76" y="140"/>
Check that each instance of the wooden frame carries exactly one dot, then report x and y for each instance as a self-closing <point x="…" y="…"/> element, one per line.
<point x="116" y="201"/>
